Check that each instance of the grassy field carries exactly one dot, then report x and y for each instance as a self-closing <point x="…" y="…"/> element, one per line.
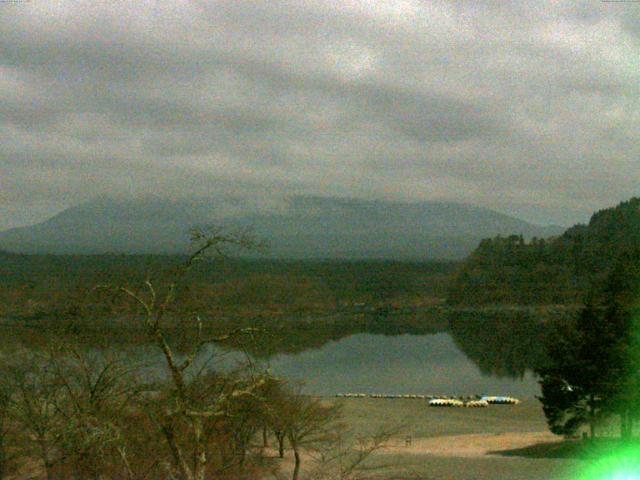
<point x="498" y="442"/>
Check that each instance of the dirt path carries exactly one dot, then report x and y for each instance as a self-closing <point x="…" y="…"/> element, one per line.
<point x="471" y="445"/>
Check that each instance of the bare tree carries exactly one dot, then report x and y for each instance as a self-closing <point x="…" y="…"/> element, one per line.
<point x="276" y="412"/>
<point x="314" y="430"/>
<point x="97" y="391"/>
<point x="307" y="422"/>
<point x="348" y="457"/>
<point x="186" y="410"/>
<point x="33" y="408"/>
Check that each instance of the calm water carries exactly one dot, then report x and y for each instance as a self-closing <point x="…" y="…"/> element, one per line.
<point x="463" y="356"/>
<point x="403" y="364"/>
<point x="460" y="356"/>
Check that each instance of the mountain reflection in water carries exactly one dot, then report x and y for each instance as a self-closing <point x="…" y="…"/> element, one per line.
<point x="462" y="353"/>
<point x="402" y="364"/>
<point x="424" y="352"/>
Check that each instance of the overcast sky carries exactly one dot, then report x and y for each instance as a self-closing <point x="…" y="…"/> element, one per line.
<point x="527" y="107"/>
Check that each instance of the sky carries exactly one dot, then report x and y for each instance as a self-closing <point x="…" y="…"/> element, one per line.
<point x="526" y="107"/>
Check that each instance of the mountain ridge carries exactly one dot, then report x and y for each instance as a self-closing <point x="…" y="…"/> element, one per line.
<point x="301" y="227"/>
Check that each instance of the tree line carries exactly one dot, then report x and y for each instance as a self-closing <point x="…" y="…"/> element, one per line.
<point x="60" y="286"/>
<point x="559" y="270"/>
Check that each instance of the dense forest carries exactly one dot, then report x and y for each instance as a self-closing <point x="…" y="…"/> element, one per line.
<point x="558" y="270"/>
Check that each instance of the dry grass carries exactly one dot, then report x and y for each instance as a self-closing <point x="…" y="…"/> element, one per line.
<point x="461" y="444"/>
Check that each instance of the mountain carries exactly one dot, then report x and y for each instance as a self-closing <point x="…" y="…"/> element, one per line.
<point x="558" y="271"/>
<point x="303" y="227"/>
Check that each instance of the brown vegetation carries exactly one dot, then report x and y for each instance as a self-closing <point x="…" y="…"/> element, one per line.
<point x="73" y="413"/>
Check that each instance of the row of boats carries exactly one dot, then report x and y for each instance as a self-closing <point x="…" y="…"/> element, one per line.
<point x="444" y="401"/>
<point x="483" y="401"/>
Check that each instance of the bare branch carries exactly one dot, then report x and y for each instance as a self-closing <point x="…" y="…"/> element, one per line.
<point x="194" y="351"/>
<point x="233" y="334"/>
<point x="152" y="291"/>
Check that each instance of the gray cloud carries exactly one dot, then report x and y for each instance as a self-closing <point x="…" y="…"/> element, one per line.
<point x="527" y="107"/>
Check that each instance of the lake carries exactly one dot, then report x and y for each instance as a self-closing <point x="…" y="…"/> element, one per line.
<point x="463" y="354"/>
<point x="402" y="364"/>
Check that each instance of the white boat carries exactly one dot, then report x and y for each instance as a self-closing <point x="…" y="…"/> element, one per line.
<point x="500" y="400"/>
<point x="445" y="402"/>
<point x="476" y="404"/>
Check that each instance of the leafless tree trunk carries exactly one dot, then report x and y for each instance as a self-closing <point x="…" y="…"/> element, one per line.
<point x="280" y="435"/>
<point x="155" y="307"/>
<point x="200" y="450"/>
<point x="296" y="456"/>
<point x="176" y="451"/>
<point x="265" y="437"/>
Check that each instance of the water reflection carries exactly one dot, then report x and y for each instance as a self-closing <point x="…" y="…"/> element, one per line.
<point x="502" y="346"/>
<point x="402" y="364"/>
<point x="455" y="353"/>
<point x="432" y="352"/>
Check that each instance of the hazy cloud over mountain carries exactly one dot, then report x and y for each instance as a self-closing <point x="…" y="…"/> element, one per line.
<point x="528" y="107"/>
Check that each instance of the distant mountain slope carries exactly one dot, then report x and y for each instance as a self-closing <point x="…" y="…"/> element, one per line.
<point x="307" y="227"/>
<point x="562" y="270"/>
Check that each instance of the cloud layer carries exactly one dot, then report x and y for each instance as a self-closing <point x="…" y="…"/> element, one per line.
<point x="528" y="107"/>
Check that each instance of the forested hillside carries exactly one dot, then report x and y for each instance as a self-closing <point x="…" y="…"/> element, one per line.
<point x="559" y="270"/>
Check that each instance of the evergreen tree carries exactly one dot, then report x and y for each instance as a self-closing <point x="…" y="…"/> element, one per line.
<point x="593" y="368"/>
<point x="573" y="382"/>
<point x="621" y="300"/>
